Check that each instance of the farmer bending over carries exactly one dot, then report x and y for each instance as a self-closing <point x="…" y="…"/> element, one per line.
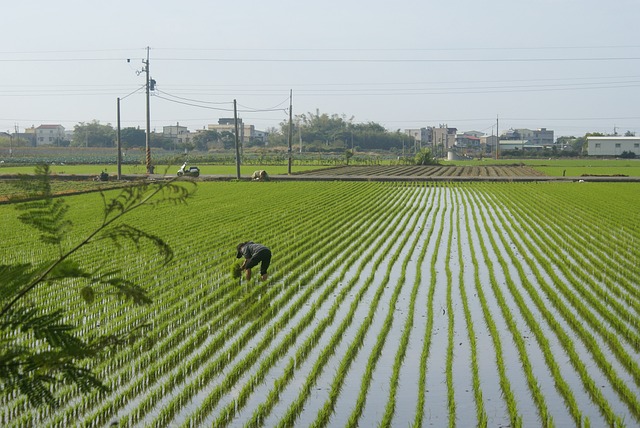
<point x="254" y="253"/>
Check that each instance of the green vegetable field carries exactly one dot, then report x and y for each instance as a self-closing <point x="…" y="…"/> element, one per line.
<point x="388" y="304"/>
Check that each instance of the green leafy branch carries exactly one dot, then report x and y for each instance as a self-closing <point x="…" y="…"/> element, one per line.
<point x="39" y="349"/>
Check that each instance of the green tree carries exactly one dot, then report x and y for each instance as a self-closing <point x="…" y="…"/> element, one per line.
<point x="579" y="145"/>
<point x="133" y="137"/>
<point x="202" y="139"/>
<point x="336" y="132"/>
<point x="33" y="369"/>
<point x="159" y="140"/>
<point x="348" y="154"/>
<point x="425" y="157"/>
<point x="228" y="140"/>
<point x="93" y="134"/>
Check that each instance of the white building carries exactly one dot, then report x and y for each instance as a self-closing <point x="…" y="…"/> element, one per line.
<point x="612" y="146"/>
<point x="247" y="132"/>
<point x="49" y="134"/>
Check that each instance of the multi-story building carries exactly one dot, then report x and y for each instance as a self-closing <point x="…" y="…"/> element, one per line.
<point x="443" y="137"/>
<point x="176" y="133"/>
<point x="49" y="134"/>
<point x="420" y="135"/>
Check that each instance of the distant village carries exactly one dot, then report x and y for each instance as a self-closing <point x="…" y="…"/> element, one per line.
<point x="444" y="140"/>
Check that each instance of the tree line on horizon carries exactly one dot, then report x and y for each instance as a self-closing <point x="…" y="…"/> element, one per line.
<point x="317" y="132"/>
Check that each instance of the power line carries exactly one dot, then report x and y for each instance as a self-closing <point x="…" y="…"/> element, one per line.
<point x="403" y="60"/>
<point x="191" y="104"/>
<point x="198" y="103"/>
<point x="192" y="100"/>
<point x="311" y="49"/>
<point x="342" y="60"/>
<point x="137" y="90"/>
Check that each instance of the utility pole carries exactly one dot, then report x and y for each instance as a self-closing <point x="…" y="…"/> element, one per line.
<point x="497" y="139"/>
<point x="235" y="122"/>
<point x="290" y="129"/>
<point x="299" y="135"/>
<point x="15" y="134"/>
<point x="119" y="144"/>
<point x="148" y="137"/>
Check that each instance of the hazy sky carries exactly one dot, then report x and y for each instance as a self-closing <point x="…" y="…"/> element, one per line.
<point x="568" y="65"/>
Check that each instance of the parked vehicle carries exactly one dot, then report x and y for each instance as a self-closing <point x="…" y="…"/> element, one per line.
<point x="192" y="171"/>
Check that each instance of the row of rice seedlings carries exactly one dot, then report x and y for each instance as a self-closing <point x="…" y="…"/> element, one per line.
<point x="589" y="267"/>
<point x="426" y="346"/>
<point x="605" y="209"/>
<point x="599" y="303"/>
<point x="530" y="319"/>
<point x="588" y="339"/>
<point x="551" y="319"/>
<point x="451" y="399"/>
<point x="600" y="267"/>
<point x="382" y="335"/>
<point x="606" y="262"/>
<point x="303" y="351"/>
<point x="515" y="418"/>
<point x="532" y="383"/>
<point x="565" y="340"/>
<point x="482" y="419"/>
<point x="590" y="293"/>
<point x="580" y="302"/>
<point x="295" y="407"/>
<point x="357" y="341"/>
<point x="600" y="218"/>
<point x="387" y="417"/>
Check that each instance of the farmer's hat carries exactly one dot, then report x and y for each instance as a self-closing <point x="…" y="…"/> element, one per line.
<point x="239" y="249"/>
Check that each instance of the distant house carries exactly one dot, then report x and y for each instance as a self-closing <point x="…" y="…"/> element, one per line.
<point x="247" y="132"/>
<point x="176" y="133"/>
<point x="419" y="135"/>
<point x="468" y="140"/>
<point x="612" y="146"/>
<point x="49" y="134"/>
<point x="261" y="136"/>
<point x="538" y="137"/>
<point x="443" y="136"/>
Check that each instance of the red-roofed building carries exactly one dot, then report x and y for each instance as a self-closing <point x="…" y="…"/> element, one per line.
<point x="49" y="134"/>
